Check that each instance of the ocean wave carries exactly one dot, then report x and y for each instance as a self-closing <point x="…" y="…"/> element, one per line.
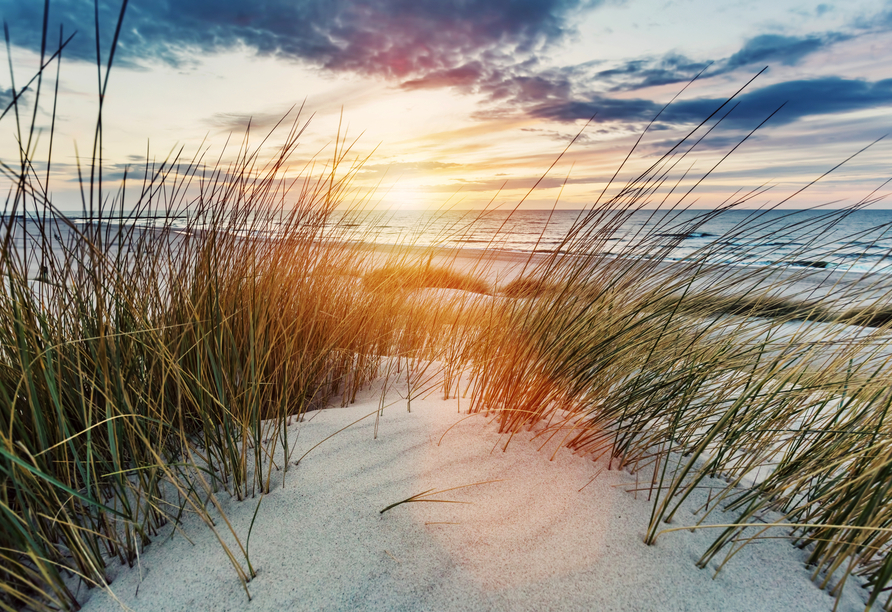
<point x="686" y="235"/>
<point x="866" y="256"/>
<point x="803" y="263"/>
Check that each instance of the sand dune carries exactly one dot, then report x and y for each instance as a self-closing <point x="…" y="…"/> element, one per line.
<point x="544" y="536"/>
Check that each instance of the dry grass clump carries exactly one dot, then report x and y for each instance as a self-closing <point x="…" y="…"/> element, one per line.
<point x="152" y="368"/>
<point x="529" y="287"/>
<point x="693" y="370"/>
<point x="787" y="309"/>
<point x="797" y="423"/>
<point x="396" y="277"/>
<point x="153" y="353"/>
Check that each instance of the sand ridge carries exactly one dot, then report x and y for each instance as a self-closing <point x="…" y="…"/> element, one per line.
<point x="530" y="541"/>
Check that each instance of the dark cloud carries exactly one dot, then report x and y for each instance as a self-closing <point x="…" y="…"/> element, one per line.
<point x="713" y="142"/>
<point x="802" y="98"/>
<point x="491" y="48"/>
<point x="466" y="76"/>
<point x="640" y="73"/>
<point x="239" y="122"/>
<point x="787" y="50"/>
<point x="25" y="21"/>
<point x="675" y="68"/>
<point x="509" y="88"/>
<point x="878" y="21"/>
<point x="393" y="38"/>
<point x="519" y="90"/>
<point x="599" y="106"/>
<point x="6" y="96"/>
<point x="8" y="99"/>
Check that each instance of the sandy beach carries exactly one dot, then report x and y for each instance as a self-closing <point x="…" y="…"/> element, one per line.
<point x="538" y="529"/>
<point x="839" y="288"/>
<point x="527" y="526"/>
<point x="541" y="305"/>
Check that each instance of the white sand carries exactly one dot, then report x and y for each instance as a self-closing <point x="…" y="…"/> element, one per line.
<point x="530" y="542"/>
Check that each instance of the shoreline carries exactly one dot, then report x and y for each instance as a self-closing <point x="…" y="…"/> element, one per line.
<point x="839" y="291"/>
<point x="494" y="265"/>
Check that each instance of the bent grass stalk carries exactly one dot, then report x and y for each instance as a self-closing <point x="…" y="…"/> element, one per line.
<point x="423" y="496"/>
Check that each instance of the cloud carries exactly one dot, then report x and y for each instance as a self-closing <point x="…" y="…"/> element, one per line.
<point x="239" y="122"/>
<point x="713" y="142"/>
<point x="803" y="98"/>
<point x="6" y="96"/>
<point x="577" y="91"/>
<point x="25" y="21"/>
<point x="877" y="21"/>
<point x="648" y="72"/>
<point x="510" y="88"/>
<point x="578" y="139"/>
<point x="676" y="68"/>
<point x="787" y="50"/>
<point x="404" y="169"/>
<point x="467" y="75"/>
<point x="492" y="48"/>
<point x="510" y="184"/>
<point x="392" y="38"/>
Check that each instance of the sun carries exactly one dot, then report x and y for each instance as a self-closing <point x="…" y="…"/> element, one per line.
<point x="405" y="196"/>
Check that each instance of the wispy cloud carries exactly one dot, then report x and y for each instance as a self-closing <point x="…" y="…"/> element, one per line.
<point x="649" y="72"/>
<point x="239" y="122"/>
<point x="878" y="21"/>
<point x="578" y="139"/>
<point x="673" y="67"/>
<point x="800" y="98"/>
<point x="582" y="91"/>
<point x="6" y="96"/>
<point x="775" y="48"/>
<point x="403" y="169"/>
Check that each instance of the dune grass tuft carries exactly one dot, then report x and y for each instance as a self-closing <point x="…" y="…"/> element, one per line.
<point x="153" y="353"/>
<point x="694" y="370"/>
<point x="787" y="309"/>
<point x="423" y="276"/>
<point x="528" y="287"/>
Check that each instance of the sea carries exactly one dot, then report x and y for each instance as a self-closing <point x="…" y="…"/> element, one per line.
<point x="859" y="241"/>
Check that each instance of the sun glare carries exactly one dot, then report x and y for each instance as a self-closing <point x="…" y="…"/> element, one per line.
<point x="405" y="197"/>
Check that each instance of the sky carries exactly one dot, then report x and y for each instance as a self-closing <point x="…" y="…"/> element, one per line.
<point x="472" y="103"/>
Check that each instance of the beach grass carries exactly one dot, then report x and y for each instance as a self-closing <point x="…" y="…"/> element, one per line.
<point x="152" y="355"/>
<point x="529" y="287"/>
<point x="699" y="372"/>
<point x="424" y="276"/>
<point x="151" y="368"/>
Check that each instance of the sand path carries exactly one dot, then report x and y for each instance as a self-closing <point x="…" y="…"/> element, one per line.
<point x="532" y="541"/>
